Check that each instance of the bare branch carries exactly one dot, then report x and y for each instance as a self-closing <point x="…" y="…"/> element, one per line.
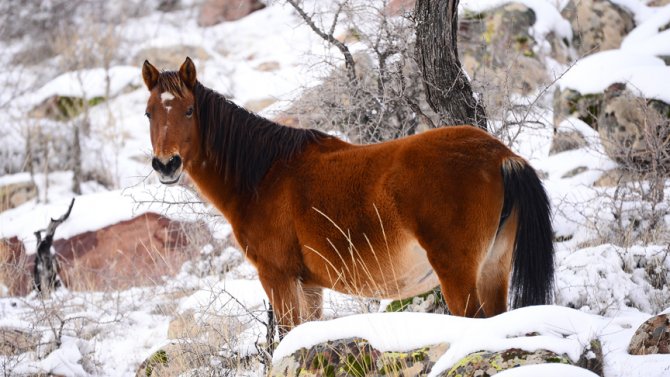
<point x="348" y="58"/>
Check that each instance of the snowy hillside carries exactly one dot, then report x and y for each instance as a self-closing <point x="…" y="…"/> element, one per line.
<point x="613" y="260"/>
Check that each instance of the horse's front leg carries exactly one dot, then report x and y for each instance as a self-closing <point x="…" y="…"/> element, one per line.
<point x="286" y="296"/>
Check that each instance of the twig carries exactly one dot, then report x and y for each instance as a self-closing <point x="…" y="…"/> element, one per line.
<point x="348" y="58"/>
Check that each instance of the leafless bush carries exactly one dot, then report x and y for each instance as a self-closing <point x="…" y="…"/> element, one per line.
<point x="377" y="95"/>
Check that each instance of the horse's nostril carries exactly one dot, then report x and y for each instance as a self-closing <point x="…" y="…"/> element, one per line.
<point x="174" y="163"/>
<point x="157" y="164"/>
<point x="168" y="168"/>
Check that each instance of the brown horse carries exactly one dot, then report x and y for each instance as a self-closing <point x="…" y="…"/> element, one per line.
<point x="451" y="206"/>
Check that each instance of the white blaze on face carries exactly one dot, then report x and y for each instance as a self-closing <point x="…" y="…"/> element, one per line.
<point x="165" y="97"/>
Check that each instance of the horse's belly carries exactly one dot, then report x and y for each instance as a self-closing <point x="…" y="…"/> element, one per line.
<point x="412" y="273"/>
<point x="399" y="272"/>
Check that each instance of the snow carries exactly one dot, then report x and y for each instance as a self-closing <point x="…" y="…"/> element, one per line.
<point x="602" y="290"/>
<point x="561" y="330"/>
<point x="594" y="73"/>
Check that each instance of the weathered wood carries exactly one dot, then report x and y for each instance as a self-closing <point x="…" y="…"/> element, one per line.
<point x="45" y="272"/>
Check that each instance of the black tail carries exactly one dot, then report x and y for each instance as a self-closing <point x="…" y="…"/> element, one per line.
<point x="533" y="258"/>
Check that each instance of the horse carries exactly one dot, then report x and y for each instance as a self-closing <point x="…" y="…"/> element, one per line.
<point x="451" y="206"/>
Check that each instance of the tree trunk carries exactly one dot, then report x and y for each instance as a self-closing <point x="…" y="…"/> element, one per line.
<point x="447" y="87"/>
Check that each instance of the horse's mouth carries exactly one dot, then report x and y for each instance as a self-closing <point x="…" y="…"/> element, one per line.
<point x="170" y="181"/>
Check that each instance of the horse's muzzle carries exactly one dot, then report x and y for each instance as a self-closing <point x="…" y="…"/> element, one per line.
<point x="168" y="171"/>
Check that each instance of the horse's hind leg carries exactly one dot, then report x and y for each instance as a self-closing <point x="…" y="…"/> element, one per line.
<point x="493" y="281"/>
<point x="456" y="266"/>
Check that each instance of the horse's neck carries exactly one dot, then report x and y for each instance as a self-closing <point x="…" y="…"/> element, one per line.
<point x="213" y="186"/>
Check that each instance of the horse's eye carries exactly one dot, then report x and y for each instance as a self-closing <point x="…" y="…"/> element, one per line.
<point x="148" y="115"/>
<point x="189" y="112"/>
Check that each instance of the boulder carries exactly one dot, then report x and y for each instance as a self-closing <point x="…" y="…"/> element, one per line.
<point x="566" y="141"/>
<point x="652" y="337"/>
<point x="256" y="105"/>
<point x="176" y="359"/>
<point x="356" y="357"/>
<point x="135" y="252"/>
<point x="486" y="364"/>
<point x="592" y="358"/>
<point x="63" y="108"/>
<point x="14" y="194"/>
<point x="429" y="302"/>
<point x="213" y="12"/>
<point x="139" y="251"/>
<point x="585" y="107"/>
<point x="15" y="342"/>
<point x="498" y="52"/>
<point x="399" y="7"/>
<point x="15" y="268"/>
<point x="597" y="25"/>
<point x="632" y="129"/>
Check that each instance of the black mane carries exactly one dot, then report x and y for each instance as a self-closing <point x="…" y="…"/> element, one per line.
<point x="242" y="145"/>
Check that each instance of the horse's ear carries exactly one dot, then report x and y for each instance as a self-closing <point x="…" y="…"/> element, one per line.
<point x="150" y="75"/>
<point x="187" y="73"/>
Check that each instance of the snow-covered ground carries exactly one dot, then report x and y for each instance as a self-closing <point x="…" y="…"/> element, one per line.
<point x="110" y="333"/>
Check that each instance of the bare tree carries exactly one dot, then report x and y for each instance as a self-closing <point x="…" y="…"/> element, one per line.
<point x="447" y="87"/>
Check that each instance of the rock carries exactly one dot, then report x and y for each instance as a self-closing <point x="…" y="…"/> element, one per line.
<point x="566" y="141"/>
<point x="652" y="337"/>
<point x="576" y="171"/>
<point x="169" y="57"/>
<point x="139" y="251"/>
<point x="14" y="341"/>
<point x="634" y="130"/>
<point x="592" y="358"/>
<point x="15" y="268"/>
<point x="268" y="66"/>
<point x="356" y="357"/>
<point x="597" y="25"/>
<point x="569" y="102"/>
<point x="429" y="302"/>
<point x="135" y="252"/>
<point x="214" y="11"/>
<point x="63" y="108"/>
<point x="176" y="359"/>
<point x="486" y="364"/>
<point x="257" y="105"/>
<point x="399" y="7"/>
<point x="498" y="53"/>
<point x="613" y="178"/>
<point x="14" y="194"/>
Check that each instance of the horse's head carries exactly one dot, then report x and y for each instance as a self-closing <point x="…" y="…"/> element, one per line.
<point x="173" y="119"/>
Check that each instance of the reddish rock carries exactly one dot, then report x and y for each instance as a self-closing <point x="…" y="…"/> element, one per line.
<point x="130" y="253"/>
<point x="214" y="11"/>
<point x="15" y="267"/>
<point x="399" y="7"/>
